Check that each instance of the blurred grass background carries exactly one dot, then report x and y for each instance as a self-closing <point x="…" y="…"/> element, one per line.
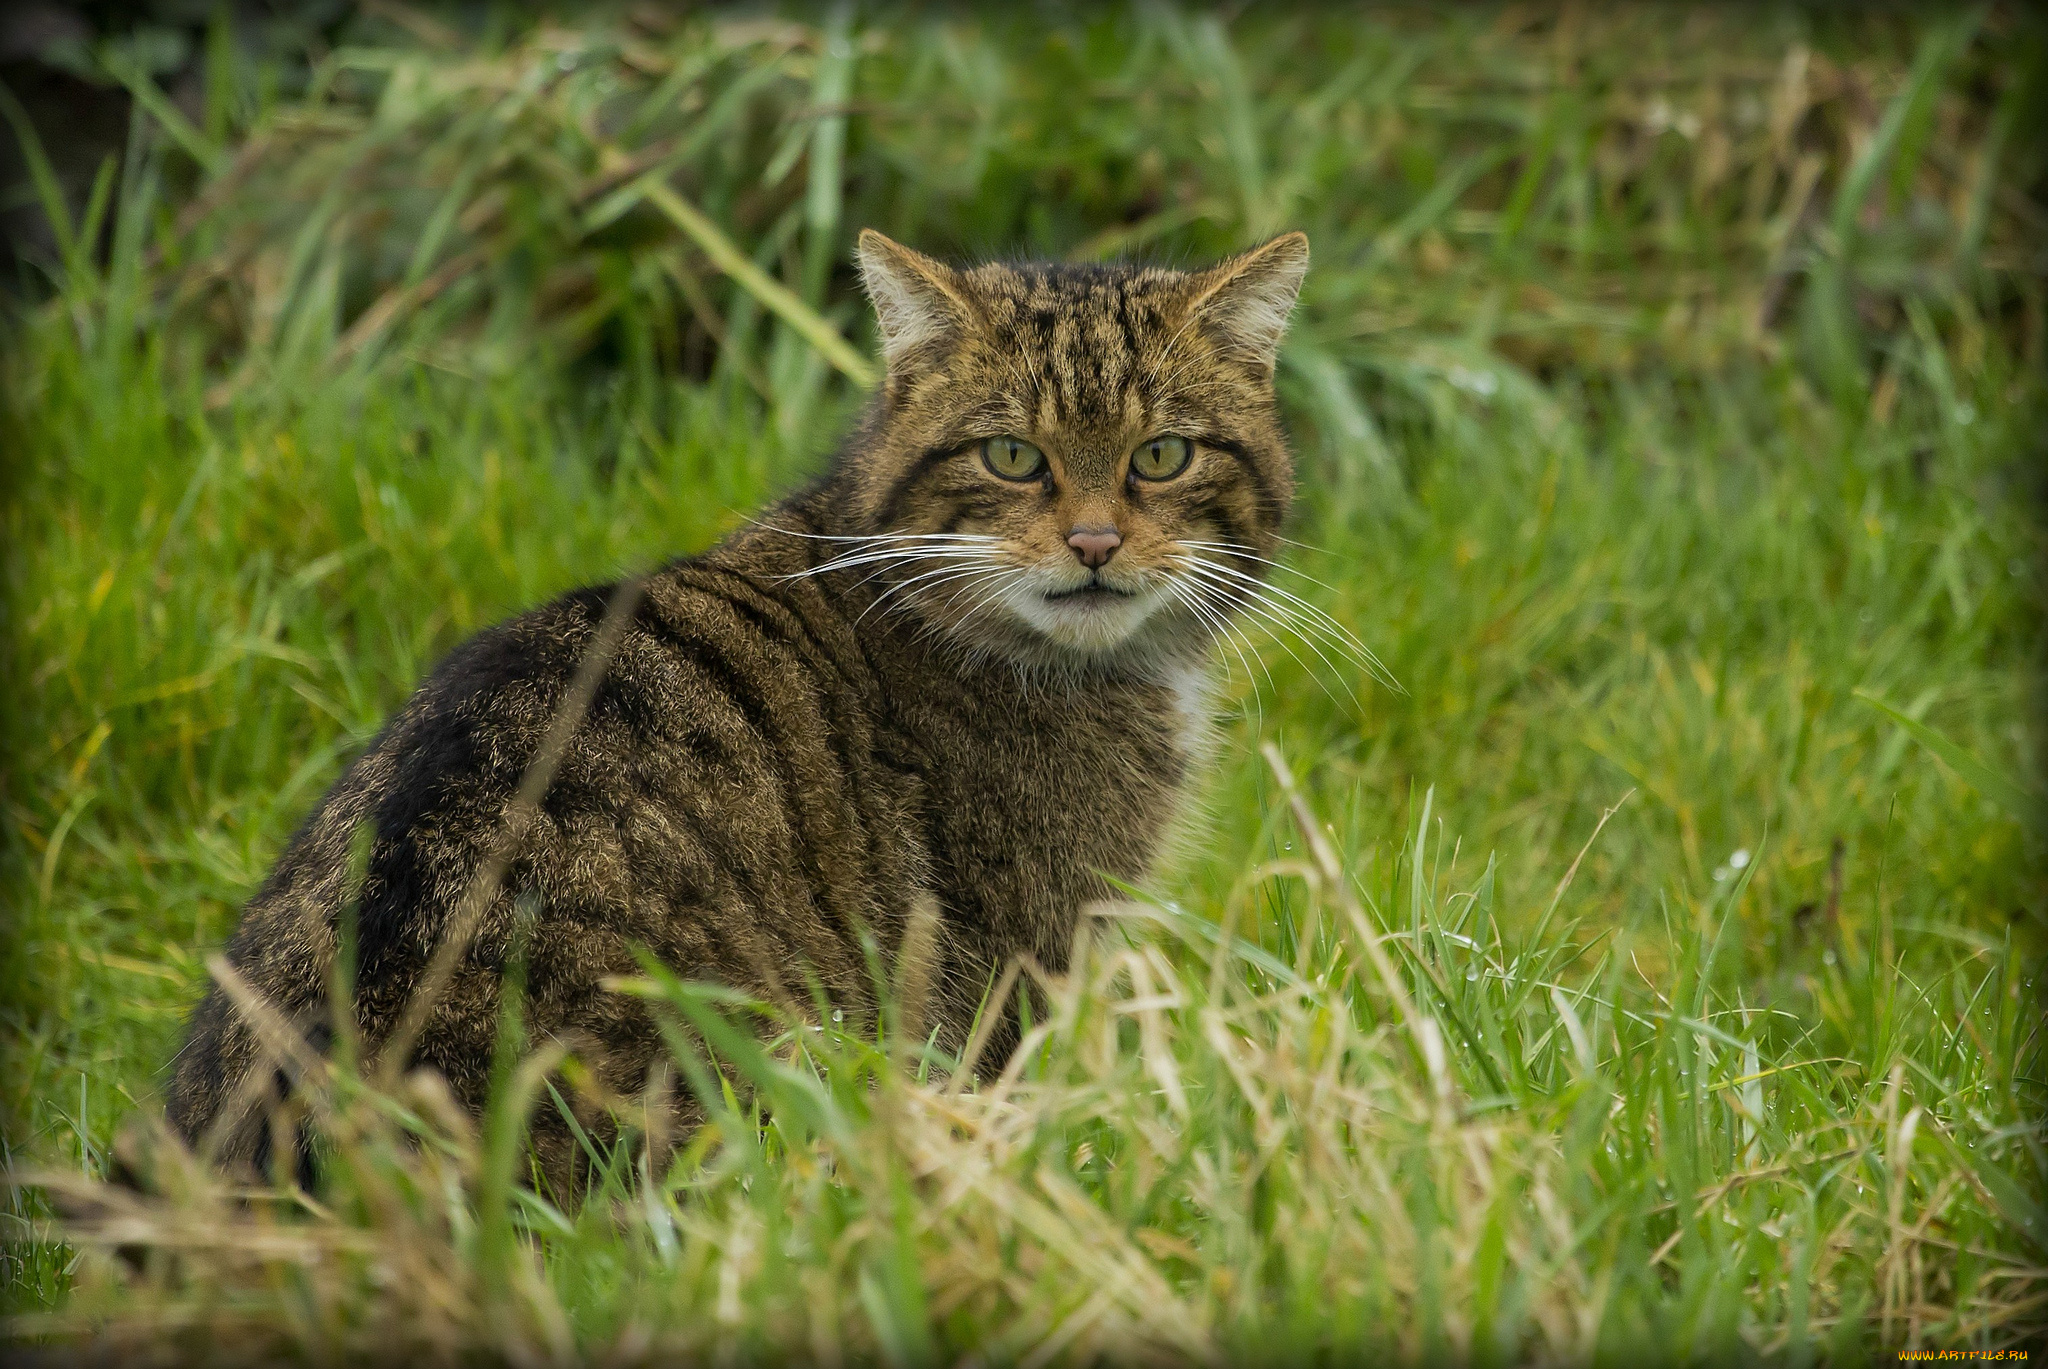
<point x="1665" y="376"/>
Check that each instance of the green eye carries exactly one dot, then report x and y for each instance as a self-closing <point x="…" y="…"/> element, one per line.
<point x="1161" y="458"/>
<point x="1012" y="458"/>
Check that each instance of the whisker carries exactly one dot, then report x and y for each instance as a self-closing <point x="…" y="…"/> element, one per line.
<point x="1248" y="554"/>
<point x="989" y="587"/>
<point x="1281" y="615"/>
<point x="866" y="558"/>
<point x="869" y="558"/>
<point x="1306" y="546"/>
<point x="1270" y="615"/>
<point x="1233" y="571"/>
<point x="884" y="570"/>
<point x="974" y="581"/>
<point x="1207" y="618"/>
<point x="1246" y="650"/>
<point x="1312" y="633"/>
<point x="1314" y="618"/>
<point x="943" y="574"/>
<point x="1292" y="542"/>
<point x="876" y="536"/>
<point x="873" y="556"/>
<point x="1317" y="619"/>
<point x="987" y="591"/>
<point x="1004" y="585"/>
<point x="1214" y="620"/>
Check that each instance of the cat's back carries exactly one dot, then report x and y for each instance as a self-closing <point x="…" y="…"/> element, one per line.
<point x="716" y="792"/>
<point x="725" y="761"/>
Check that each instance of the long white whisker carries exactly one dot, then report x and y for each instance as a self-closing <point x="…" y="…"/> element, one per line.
<point x="1213" y="619"/>
<point x="942" y="575"/>
<point x="973" y="563"/>
<point x="1280" y="616"/>
<point x="1003" y="585"/>
<point x="887" y="555"/>
<point x="1246" y="553"/>
<point x="1313" y="619"/>
<point x="1288" y="595"/>
<point x="1271" y="612"/>
<point x="877" y="536"/>
<point x="883" y="554"/>
<point x="1253" y="551"/>
<point x="870" y="558"/>
<point x="1242" y="645"/>
<point x="903" y="544"/>
<point x="1305" y="546"/>
<point x="1216" y="628"/>
<point x="1224" y="605"/>
<point x="961" y="580"/>
<point x="1000" y="578"/>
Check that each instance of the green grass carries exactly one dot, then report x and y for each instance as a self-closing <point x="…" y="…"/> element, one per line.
<point x="1658" y="388"/>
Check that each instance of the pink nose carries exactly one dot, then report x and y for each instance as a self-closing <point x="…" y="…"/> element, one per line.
<point x="1094" y="545"/>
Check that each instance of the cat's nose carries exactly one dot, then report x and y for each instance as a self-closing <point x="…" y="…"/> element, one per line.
<point x="1094" y="545"/>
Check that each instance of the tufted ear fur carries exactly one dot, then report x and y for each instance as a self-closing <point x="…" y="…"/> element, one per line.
<point x="1247" y="299"/>
<point x="917" y="300"/>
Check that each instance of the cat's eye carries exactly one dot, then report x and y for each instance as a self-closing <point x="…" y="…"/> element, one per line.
<point x="1161" y="458"/>
<point x="1012" y="458"/>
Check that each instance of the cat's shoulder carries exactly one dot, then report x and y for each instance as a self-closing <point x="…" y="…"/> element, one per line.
<point x="490" y="698"/>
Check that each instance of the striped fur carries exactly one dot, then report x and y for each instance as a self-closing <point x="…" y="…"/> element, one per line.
<point x="862" y="704"/>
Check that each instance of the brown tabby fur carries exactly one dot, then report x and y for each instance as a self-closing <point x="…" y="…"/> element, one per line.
<point x="783" y="753"/>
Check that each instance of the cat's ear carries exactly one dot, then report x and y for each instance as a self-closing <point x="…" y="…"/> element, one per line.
<point x="1247" y="299"/>
<point x="917" y="300"/>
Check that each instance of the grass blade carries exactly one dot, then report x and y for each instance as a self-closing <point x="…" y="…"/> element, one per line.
<point x="197" y="145"/>
<point x="2001" y="789"/>
<point x="809" y="324"/>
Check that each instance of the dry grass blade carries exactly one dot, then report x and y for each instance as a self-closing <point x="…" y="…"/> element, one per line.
<point x="395" y="1051"/>
<point x="728" y="258"/>
<point x="1336" y="883"/>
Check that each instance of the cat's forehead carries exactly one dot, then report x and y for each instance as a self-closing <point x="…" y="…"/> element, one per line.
<point x="1043" y="294"/>
<point x="1081" y="345"/>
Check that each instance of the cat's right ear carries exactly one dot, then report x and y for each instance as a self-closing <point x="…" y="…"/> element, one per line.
<point x="917" y="300"/>
<point x="1247" y="299"/>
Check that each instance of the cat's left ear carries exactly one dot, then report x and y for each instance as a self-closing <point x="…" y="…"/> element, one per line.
<point x="1247" y="299"/>
<point x="917" y="300"/>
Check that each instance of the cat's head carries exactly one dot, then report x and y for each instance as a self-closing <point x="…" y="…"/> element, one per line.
<point x="1073" y="463"/>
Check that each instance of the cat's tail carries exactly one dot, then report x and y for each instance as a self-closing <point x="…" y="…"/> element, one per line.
<point x="233" y="1077"/>
<point x="212" y="1105"/>
<point x="218" y="1119"/>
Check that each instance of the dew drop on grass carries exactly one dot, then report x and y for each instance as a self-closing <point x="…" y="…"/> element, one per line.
<point x="1739" y="859"/>
<point x="839" y="1014"/>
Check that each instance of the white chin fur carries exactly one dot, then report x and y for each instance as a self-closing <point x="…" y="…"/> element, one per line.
<point x="1083" y="623"/>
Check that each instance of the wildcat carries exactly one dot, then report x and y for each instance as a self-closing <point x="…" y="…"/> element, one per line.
<point x="963" y="671"/>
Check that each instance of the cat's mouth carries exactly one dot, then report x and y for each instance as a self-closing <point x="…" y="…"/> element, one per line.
<point x="1095" y="616"/>
<point x="1093" y="590"/>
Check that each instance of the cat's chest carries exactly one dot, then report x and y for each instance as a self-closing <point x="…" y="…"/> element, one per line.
<point x="1191" y="692"/>
<point x="1049" y="787"/>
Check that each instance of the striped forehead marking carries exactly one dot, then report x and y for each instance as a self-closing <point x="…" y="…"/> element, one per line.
<point x="1079" y="339"/>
